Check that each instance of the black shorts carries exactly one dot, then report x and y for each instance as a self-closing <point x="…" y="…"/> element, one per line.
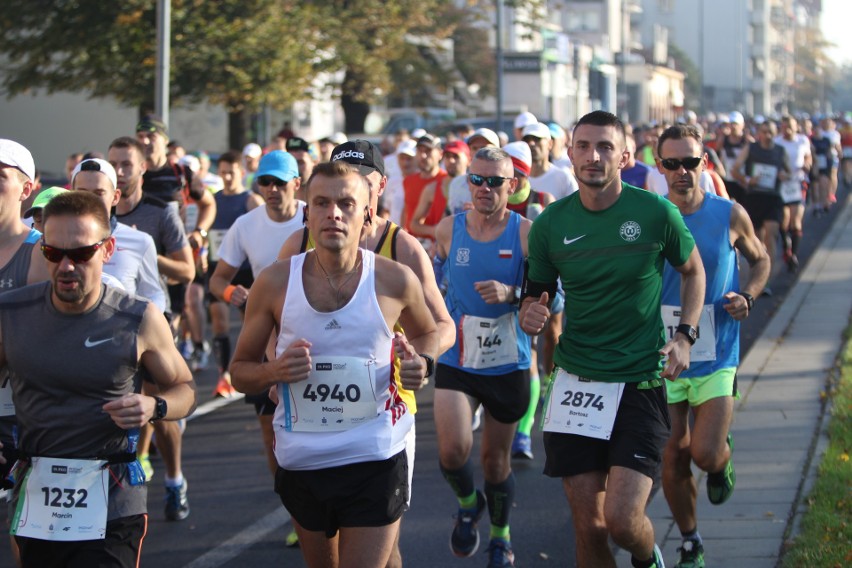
<point x="367" y="494"/>
<point x="177" y="297"/>
<point x="119" y="549"/>
<point x="506" y="397"/>
<point x="243" y="278"/>
<point x="642" y="427"/>
<point x="735" y="190"/>
<point x="263" y="405"/>
<point x="763" y="207"/>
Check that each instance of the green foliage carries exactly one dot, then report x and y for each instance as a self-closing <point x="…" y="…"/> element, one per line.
<point x="826" y="536"/>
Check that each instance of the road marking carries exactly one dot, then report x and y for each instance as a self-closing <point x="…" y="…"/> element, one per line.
<point x="235" y="545"/>
<point x="214" y="404"/>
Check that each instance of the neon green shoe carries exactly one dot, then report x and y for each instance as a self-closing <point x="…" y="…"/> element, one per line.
<point x="691" y="555"/>
<point x="720" y="486"/>
<point x="292" y="540"/>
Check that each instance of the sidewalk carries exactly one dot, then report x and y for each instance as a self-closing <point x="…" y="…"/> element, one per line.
<point x="779" y="424"/>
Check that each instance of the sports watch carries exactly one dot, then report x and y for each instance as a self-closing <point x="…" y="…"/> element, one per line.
<point x="749" y="300"/>
<point x="160" y="410"/>
<point x="430" y="365"/>
<point x="690" y="332"/>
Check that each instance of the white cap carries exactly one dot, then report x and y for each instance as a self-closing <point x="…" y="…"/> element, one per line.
<point x="15" y="155"/>
<point x="486" y="133"/>
<point x="418" y="133"/>
<point x="191" y="162"/>
<point x="538" y="130"/>
<point x="252" y="150"/>
<point x="736" y="118"/>
<point x="520" y="152"/>
<point x="96" y="165"/>
<point x="525" y="119"/>
<point x="407" y="147"/>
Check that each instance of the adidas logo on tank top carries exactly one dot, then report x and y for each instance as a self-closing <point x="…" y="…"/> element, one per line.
<point x="332" y="325"/>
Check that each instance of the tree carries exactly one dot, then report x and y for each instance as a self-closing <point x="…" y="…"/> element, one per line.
<point x="241" y="53"/>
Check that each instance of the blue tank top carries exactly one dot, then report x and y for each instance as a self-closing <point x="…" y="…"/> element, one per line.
<point x="710" y="226"/>
<point x="471" y="261"/>
<point x="228" y="208"/>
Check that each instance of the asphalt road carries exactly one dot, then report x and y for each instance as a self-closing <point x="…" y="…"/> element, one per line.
<point x="237" y="520"/>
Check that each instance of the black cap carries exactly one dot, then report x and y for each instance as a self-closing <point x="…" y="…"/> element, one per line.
<point x="297" y="144"/>
<point x="362" y="154"/>
<point x="430" y="141"/>
<point x="152" y="123"/>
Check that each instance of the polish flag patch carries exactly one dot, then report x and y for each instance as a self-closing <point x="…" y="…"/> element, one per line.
<point x="505" y="253"/>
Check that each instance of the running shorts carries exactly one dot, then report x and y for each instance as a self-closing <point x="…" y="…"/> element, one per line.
<point x="698" y="390"/>
<point x="506" y="397"/>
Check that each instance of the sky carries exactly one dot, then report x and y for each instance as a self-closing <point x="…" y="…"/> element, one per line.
<point x="836" y="19"/>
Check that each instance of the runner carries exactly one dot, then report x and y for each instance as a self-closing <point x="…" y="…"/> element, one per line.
<point x="174" y="260"/>
<point x="720" y="228"/>
<point x="336" y="311"/>
<point x="544" y="176"/>
<point x="386" y="239"/>
<point x="256" y="237"/>
<point x="761" y="168"/>
<point x="609" y="242"/>
<point x="429" y="154"/>
<point x="798" y="149"/>
<point x="483" y="251"/>
<point x="70" y="430"/>
<point x="456" y="158"/>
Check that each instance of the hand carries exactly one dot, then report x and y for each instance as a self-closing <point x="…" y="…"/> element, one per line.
<point x="412" y="367"/>
<point x="294" y="364"/>
<point x="737" y="306"/>
<point x="195" y="239"/>
<point x="131" y="411"/>
<point x="493" y="292"/>
<point x="534" y="315"/>
<point x="239" y="296"/>
<point x="677" y="351"/>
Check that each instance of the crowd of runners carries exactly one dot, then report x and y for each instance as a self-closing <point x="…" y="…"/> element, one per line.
<point x="582" y="277"/>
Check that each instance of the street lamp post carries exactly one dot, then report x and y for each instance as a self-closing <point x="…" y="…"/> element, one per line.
<point x="161" y="81"/>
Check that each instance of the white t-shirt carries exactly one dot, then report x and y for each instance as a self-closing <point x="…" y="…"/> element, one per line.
<point x="797" y="149"/>
<point x="459" y="194"/>
<point x="134" y="264"/>
<point x="256" y="237"/>
<point x="555" y="181"/>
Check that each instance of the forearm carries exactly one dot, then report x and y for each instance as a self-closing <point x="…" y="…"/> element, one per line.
<point x="178" y="270"/>
<point x="758" y="276"/>
<point x="691" y="297"/>
<point x="250" y="377"/>
<point x="180" y="400"/>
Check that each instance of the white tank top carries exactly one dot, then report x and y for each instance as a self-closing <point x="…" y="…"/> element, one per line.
<point x="349" y="409"/>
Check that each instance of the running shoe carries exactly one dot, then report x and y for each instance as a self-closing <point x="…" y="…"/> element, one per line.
<point x="691" y="554"/>
<point x="200" y="358"/>
<point x="500" y="554"/>
<point x="658" y="558"/>
<point x="147" y="468"/>
<point x="185" y="348"/>
<point x="224" y="388"/>
<point x="177" y="504"/>
<point x="292" y="540"/>
<point x="464" y="541"/>
<point x="522" y="446"/>
<point x="720" y="485"/>
<point x="793" y="264"/>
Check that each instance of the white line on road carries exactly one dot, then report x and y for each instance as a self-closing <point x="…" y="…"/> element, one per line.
<point x="234" y="546"/>
<point x="214" y="404"/>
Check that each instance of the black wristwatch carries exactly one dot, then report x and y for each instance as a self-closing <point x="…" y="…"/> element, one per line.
<point x="690" y="332"/>
<point x="160" y="410"/>
<point x="749" y="300"/>
<point x="430" y="365"/>
<point x="202" y="232"/>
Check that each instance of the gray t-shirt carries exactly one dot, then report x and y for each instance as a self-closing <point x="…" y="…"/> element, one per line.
<point x="64" y="369"/>
<point x="159" y="220"/>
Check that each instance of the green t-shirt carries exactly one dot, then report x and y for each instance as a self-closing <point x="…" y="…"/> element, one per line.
<point x="611" y="266"/>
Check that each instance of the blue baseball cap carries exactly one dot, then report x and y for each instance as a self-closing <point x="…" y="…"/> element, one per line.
<point x="278" y="163"/>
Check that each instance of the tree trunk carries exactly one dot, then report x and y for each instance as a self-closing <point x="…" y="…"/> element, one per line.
<point x="237" y="127"/>
<point x="355" y="113"/>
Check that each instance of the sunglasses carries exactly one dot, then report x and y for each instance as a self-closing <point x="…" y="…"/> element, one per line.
<point x="271" y="180"/>
<point x="492" y="181"/>
<point x="674" y="164"/>
<point x="76" y="255"/>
